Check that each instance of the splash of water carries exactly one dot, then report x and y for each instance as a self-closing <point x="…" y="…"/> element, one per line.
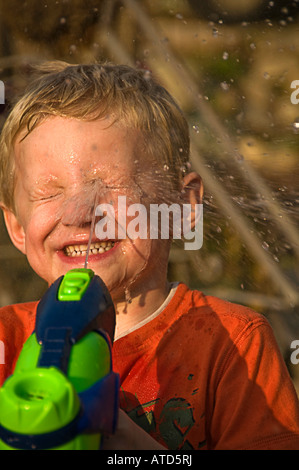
<point x="143" y="187"/>
<point x="90" y="234"/>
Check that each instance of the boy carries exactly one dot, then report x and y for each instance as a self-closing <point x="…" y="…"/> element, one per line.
<point x="196" y="371"/>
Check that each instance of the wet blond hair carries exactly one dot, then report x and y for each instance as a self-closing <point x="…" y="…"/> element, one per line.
<point x="95" y="91"/>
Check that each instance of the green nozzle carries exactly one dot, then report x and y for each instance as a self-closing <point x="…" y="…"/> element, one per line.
<point x="74" y="284"/>
<point x="37" y="401"/>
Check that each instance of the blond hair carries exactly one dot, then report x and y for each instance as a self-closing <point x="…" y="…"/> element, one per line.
<point x="95" y="91"/>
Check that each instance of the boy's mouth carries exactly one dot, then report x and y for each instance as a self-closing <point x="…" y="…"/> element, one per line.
<point x="95" y="248"/>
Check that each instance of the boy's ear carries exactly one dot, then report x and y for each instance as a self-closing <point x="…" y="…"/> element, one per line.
<point x="15" y="229"/>
<point x="192" y="193"/>
<point x="192" y="188"/>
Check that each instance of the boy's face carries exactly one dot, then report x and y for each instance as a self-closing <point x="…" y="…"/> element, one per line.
<point x="60" y="167"/>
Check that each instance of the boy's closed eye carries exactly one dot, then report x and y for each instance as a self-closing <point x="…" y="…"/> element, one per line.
<point x="38" y="195"/>
<point x="43" y="189"/>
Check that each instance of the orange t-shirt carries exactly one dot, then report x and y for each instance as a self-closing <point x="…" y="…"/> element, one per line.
<point x="203" y="374"/>
<point x="207" y="374"/>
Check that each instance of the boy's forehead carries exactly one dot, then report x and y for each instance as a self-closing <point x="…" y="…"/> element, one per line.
<point x="98" y="143"/>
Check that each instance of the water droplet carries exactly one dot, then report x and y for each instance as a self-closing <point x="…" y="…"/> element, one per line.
<point x="296" y="124"/>
<point x="252" y="46"/>
<point x="128" y="296"/>
<point x="166" y="167"/>
<point x="196" y="129"/>
<point x="266" y="75"/>
<point x="265" y="245"/>
<point x="215" y="32"/>
<point x="225" y="55"/>
<point x="147" y="74"/>
<point x="224" y="86"/>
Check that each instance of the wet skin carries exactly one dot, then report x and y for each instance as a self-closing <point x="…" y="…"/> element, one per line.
<point x="55" y="164"/>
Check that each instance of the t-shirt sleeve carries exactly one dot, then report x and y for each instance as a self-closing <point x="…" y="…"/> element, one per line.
<point x="255" y="403"/>
<point x="16" y="324"/>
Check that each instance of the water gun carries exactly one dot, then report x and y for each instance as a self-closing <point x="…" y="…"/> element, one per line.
<point x="63" y="393"/>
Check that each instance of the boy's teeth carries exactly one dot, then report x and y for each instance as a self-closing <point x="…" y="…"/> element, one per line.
<point x="95" y="248"/>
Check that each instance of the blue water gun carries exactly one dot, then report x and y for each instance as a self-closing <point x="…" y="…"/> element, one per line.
<point x="64" y="393"/>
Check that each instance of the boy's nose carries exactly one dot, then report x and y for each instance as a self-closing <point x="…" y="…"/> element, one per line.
<point x="76" y="213"/>
<point x="79" y="207"/>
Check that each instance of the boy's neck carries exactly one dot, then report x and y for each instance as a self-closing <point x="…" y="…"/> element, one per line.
<point x="133" y="311"/>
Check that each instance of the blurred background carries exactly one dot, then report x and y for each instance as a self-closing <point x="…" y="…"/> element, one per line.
<point x="231" y="65"/>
